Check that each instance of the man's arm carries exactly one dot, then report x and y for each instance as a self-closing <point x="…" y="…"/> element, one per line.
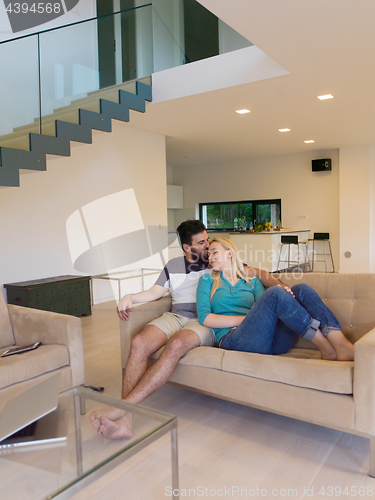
<point x="265" y="277"/>
<point x="126" y="303"/>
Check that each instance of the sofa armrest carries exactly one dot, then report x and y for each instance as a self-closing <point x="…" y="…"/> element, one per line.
<point x="33" y="325"/>
<point x="364" y="383"/>
<point x="139" y="317"/>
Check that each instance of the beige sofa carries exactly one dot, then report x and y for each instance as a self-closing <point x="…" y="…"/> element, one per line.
<point x="61" y="349"/>
<point x="298" y="384"/>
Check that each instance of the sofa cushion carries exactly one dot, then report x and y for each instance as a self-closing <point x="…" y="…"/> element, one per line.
<point x="208" y="357"/>
<point x="25" y="366"/>
<point x="298" y="367"/>
<point x="6" y="332"/>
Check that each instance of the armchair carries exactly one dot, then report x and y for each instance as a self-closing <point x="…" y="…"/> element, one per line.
<point x="61" y="349"/>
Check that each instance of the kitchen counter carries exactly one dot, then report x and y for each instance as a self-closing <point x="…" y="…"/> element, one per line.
<point x="280" y="231"/>
<point x="262" y="249"/>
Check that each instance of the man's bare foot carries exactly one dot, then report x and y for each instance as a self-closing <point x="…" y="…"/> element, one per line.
<point x="109" y="413"/>
<point x="116" y="429"/>
<point x="344" y="349"/>
<point x="326" y="349"/>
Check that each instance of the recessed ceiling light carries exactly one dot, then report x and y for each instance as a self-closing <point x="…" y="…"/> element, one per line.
<point x="284" y="129"/>
<point x="324" y="97"/>
<point x="242" y="111"/>
<point x="308" y="142"/>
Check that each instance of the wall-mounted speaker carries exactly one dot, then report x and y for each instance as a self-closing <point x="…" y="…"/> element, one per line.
<point x="321" y="165"/>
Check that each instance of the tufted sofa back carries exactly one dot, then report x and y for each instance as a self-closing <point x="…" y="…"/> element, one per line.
<point x="351" y="297"/>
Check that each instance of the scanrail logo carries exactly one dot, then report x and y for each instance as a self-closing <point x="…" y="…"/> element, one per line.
<point x="27" y="14"/>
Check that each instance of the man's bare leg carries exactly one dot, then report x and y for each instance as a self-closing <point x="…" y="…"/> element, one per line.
<point x="159" y="373"/>
<point x="143" y="345"/>
<point x="154" y="378"/>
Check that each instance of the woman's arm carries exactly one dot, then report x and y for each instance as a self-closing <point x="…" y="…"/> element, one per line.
<point x="220" y="321"/>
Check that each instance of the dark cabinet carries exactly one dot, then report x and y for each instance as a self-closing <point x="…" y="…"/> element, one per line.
<point x="61" y="294"/>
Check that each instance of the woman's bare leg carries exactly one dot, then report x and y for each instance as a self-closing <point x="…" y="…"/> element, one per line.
<point x="326" y="349"/>
<point x="343" y="347"/>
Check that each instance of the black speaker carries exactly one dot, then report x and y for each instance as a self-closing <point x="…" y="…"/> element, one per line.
<point x="321" y="165"/>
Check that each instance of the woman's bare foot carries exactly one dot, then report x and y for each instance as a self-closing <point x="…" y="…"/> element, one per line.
<point x="109" y="413"/>
<point x="116" y="429"/>
<point x="326" y="349"/>
<point x="344" y="349"/>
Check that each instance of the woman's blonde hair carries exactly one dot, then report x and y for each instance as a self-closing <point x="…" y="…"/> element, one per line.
<point x="237" y="264"/>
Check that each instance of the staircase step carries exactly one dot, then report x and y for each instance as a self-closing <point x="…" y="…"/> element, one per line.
<point x="58" y="134"/>
<point x="70" y="116"/>
<point x="21" y="141"/>
<point x="91" y="102"/>
<point x="110" y="94"/>
<point x="69" y="113"/>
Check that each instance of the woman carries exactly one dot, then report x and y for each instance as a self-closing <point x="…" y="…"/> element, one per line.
<point x="245" y="317"/>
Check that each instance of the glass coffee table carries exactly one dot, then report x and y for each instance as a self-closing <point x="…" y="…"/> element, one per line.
<point x="64" y="467"/>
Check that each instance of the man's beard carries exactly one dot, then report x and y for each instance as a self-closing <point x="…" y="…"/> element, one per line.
<point x="202" y="257"/>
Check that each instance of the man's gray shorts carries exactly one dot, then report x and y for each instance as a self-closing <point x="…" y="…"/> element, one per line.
<point x="170" y="323"/>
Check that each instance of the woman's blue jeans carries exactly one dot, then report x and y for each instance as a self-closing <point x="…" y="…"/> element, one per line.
<point x="277" y="318"/>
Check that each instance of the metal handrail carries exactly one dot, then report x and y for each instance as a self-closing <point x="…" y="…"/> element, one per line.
<point x="74" y="24"/>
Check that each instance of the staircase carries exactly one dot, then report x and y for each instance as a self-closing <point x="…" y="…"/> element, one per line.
<point x="27" y="149"/>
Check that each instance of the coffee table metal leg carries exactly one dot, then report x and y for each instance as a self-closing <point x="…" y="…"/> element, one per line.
<point x="82" y="403"/>
<point x="78" y="433"/>
<point x="175" y="480"/>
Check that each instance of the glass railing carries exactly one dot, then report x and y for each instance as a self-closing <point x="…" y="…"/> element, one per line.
<point x="47" y="74"/>
<point x="19" y="83"/>
<point x="51" y="73"/>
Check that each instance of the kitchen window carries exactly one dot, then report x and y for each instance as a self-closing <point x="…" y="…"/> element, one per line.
<point x="239" y="215"/>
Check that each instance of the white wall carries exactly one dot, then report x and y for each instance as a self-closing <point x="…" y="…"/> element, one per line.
<point x="33" y="217"/>
<point x="314" y="195"/>
<point x="357" y="209"/>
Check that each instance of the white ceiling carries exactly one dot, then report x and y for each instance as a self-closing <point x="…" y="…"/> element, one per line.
<point x="327" y="47"/>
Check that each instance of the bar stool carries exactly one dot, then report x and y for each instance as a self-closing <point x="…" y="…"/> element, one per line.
<point x="324" y="238"/>
<point x="293" y="240"/>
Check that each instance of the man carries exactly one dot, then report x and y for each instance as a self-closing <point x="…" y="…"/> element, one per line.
<point x="179" y="331"/>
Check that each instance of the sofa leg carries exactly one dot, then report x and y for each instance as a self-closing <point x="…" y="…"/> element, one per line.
<point x="372" y="456"/>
